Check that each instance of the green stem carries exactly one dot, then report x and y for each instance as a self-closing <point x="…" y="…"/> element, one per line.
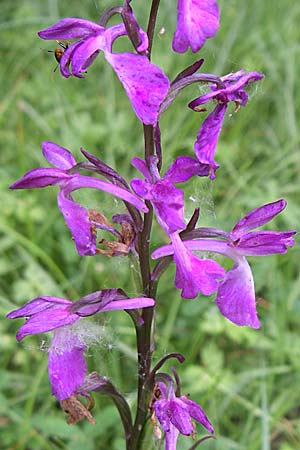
<point x="144" y="331"/>
<point x="151" y="23"/>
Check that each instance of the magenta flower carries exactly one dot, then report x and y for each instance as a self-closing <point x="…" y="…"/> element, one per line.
<point x="167" y="200"/>
<point x="194" y="275"/>
<point x="66" y="364"/>
<point x="145" y="84"/>
<point x="81" y="225"/>
<point x="235" y="291"/>
<point x="175" y="414"/>
<point x="233" y="90"/>
<point x="198" y="20"/>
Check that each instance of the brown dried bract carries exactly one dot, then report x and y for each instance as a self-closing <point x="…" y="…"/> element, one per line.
<point x="127" y="233"/>
<point x="116" y="248"/>
<point x="97" y="217"/>
<point x="77" y="411"/>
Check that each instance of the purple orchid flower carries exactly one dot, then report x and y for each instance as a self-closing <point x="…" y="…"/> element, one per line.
<point x="167" y="200"/>
<point x="233" y="90"/>
<point x="66" y="364"/>
<point x="235" y="292"/>
<point x="198" y="20"/>
<point x="175" y="414"/>
<point x="81" y="225"/>
<point x="145" y="84"/>
<point x="193" y="275"/>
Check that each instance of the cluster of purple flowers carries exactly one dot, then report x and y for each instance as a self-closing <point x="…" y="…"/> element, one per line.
<point x="150" y="93"/>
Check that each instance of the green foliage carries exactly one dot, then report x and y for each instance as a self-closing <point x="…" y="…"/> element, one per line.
<point x="248" y="381"/>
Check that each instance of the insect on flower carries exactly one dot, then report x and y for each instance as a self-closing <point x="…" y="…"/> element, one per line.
<point x="59" y="51"/>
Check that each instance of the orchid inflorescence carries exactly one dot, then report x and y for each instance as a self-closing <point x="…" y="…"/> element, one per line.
<point x="150" y="93"/>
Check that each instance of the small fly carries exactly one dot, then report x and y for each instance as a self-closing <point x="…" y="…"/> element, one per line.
<point x="59" y="51"/>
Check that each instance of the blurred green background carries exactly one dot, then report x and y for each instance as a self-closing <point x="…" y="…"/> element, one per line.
<point x="247" y="380"/>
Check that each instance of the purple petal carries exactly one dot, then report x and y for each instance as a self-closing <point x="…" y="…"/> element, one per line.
<point x="264" y="242"/>
<point x="71" y="28"/>
<point x="171" y="438"/>
<point x="130" y="303"/>
<point x="233" y="90"/>
<point x="180" y="417"/>
<point x="105" y="170"/>
<point x="197" y="413"/>
<point x="83" y="181"/>
<point x="142" y="188"/>
<point x="207" y="138"/>
<point x="257" y="217"/>
<point x="49" y="319"/>
<point x="112" y="33"/>
<point x="168" y="202"/>
<point x="37" y="305"/>
<point x="66" y="59"/>
<point x="183" y="168"/>
<point x="137" y="35"/>
<point x="236" y="296"/>
<point x="197" y="21"/>
<point x="160" y="408"/>
<point x="203" y="245"/>
<point x="77" y="219"/>
<point x="141" y="166"/>
<point x="235" y="86"/>
<point x="42" y="177"/>
<point x="58" y="156"/>
<point x="145" y="84"/>
<point x="194" y="275"/>
<point x="66" y="364"/>
<point x="94" y="302"/>
<point x="84" y="54"/>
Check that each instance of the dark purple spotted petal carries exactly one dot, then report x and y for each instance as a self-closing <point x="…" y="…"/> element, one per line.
<point x="145" y="84"/>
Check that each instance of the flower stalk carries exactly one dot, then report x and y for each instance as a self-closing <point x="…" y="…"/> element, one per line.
<point x="151" y="195"/>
